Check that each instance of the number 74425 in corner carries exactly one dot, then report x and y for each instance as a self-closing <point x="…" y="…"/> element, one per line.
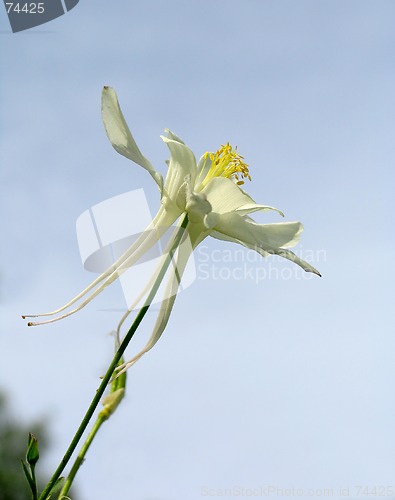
<point x="26" y="8"/>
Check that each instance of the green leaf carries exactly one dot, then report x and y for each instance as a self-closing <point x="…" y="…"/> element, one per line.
<point x="29" y="478"/>
<point x="56" y="487"/>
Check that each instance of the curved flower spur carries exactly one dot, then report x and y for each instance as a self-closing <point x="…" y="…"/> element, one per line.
<point x="208" y="192"/>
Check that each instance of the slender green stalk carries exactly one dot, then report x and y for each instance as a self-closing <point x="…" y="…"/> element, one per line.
<point x="110" y="403"/>
<point x="81" y="455"/>
<point x="110" y="371"/>
<point x="34" y="492"/>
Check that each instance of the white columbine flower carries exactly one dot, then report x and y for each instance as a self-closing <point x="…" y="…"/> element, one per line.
<point x="208" y="191"/>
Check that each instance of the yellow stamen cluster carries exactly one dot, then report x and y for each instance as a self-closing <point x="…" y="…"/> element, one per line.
<point x="226" y="162"/>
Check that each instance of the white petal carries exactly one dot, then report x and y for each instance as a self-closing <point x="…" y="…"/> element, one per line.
<point x="282" y="234"/>
<point x="262" y="238"/>
<point x="249" y="208"/>
<point x="119" y="134"/>
<point x="173" y="136"/>
<point x="203" y="166"/>
<point x="287" y="254"/>
<point x="226" y="196"/>
<point x="182" y="165"/>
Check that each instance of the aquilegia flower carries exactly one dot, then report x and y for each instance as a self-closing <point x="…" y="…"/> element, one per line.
<point x="208" y="192"/>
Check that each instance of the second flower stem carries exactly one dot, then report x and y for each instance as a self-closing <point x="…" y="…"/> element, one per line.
<point x="81" y="455"/>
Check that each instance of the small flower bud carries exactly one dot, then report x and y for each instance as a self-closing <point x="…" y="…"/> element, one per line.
<point x="111" y="402"/>
<point x="32" y="454"/>
<point x="117" y="392"/>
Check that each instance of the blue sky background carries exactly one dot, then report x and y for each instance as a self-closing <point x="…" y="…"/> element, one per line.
<point x="285" y="383"/>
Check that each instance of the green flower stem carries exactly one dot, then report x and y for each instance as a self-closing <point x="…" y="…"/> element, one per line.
<point x="81" y="455"/>
<point x="110" y="403"/>
<point x="34" y="492"/>
<point x="107" y="377"/>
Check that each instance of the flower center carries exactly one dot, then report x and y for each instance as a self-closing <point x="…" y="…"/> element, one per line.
<point x="226" y="162"/>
